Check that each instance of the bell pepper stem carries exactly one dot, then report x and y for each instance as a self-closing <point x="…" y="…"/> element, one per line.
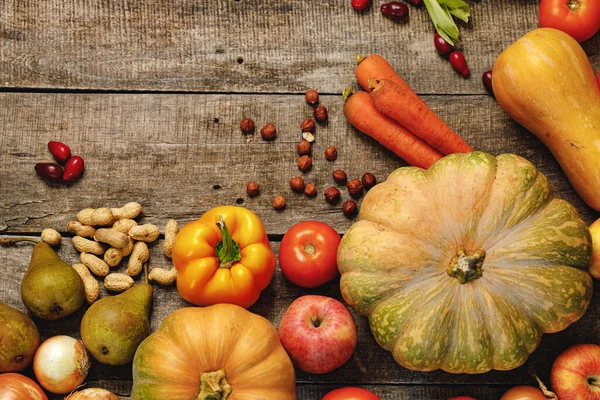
<point x="228" y="251"/>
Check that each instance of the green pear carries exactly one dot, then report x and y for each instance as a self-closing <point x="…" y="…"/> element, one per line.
<point x="113" y="327"/>
<point x="51" y="288"/>
<point x="19" y="339"/>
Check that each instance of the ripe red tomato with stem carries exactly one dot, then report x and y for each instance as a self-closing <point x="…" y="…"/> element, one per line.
<point x="308" y="254"/>
<point x="578" y="18"/>
<point x="350" y="393"/>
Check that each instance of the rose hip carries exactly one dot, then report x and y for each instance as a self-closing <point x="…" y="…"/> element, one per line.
<point x="49" y="171"/>
<point x="73" y="168"/>
<point x="486" y="78"/>
<point x="457" y="59"/>
<point x="360" y="5"/>
<point x="441" y="45"/>
<point x="60" y="151"/>
<point x="394" y="10"/>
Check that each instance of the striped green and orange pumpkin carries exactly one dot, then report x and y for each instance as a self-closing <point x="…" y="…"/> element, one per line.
<point x="464" y="266"/>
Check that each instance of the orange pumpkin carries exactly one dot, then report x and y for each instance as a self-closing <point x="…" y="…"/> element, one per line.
<point x="218" y="352"/>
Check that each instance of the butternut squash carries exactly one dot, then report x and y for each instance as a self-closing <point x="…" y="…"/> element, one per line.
<point x="545" y="82"/>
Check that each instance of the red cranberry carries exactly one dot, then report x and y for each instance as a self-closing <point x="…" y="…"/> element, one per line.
<point x="60" y="151"/>
<point x="486" y="78"/>
<point x="360" y="5"/>
<point x="73" y="168"/>
<point x="416" y="3"/>
<point x="457" y="59"/>
<point x="49" y="171"/>
<point x="441" y="45"/>
<point x="395" y="10"/>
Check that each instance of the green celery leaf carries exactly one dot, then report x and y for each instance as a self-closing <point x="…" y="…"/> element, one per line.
<point x="443" y="22"/>
<point x="458" y="8"/>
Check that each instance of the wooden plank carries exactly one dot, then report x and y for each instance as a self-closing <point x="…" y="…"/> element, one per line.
<point x="169" y="153"/>
<point x="370" y="364"/>
<point x="242" y="46"/>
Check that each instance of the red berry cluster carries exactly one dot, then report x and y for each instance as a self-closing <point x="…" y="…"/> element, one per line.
<point x="73" y="165"/>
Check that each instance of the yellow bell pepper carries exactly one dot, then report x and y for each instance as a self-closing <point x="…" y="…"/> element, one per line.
<point x="223" y="257"/>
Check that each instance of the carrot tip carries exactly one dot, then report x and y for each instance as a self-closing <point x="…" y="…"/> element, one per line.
<point x="347" y="92"/>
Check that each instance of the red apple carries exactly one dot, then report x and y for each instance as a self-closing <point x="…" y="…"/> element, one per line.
<point x="576" y="373"/>
<point x="318" y="333"/>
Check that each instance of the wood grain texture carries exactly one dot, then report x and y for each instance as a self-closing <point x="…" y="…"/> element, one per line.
<point x="369" y="365"/>
<point x="240" y="46"/>
<point x="179" y="155"/>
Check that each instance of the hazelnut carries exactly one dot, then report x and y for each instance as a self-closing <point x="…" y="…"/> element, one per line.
<point x="309" y="137"/>
<point x="247" y="125"/>
<point x="304" y="163"/>
<point x="321" y="114"/>
<point x="310" y="190"/>
<point x="278" y="202"/>
<point x="297" y="184"/>
<point x="311" y="97"/>
<point x="354" y="188"/>
<point x="368" y="180"/>
<point x="332" y="195"/>
<point x="331" y="153"/>
<point x="252" y="189"/>
<point x="303" y="148"/>
<point x="308" y="125"/>
<point x="349" y="208"/>
<point x="339" y="176"/>
<point x="268" y="132"/>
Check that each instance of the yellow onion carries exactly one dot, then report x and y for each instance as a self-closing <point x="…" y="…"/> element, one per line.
<point x="93" y="394"/>
<point x="61" y="364"/>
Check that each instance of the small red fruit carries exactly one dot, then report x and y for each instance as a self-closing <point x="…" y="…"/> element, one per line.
<point x="60" y="151"/>
<point x="486" y="78"/>
<point x="395" y="10"/>
<point x="360" y="5"/>
<point x="416" y="3"/>
<point x="49" y="171"/>
<point x="441" y="45"/>
<point x="73" y="168"/>
<point x="457" y="59"/>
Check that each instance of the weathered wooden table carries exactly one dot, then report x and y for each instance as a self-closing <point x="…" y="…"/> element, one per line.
<point x="151" y="93"/>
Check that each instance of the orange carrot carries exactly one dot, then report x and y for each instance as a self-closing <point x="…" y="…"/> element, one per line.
<point x="360" y="112"/>
<point x="376" y="67"/>
<point x="397" y="103"/>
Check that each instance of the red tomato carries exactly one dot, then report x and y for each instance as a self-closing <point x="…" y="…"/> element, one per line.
<point x="19" y="387"/>
<point x="350" y="393"/>
<point x="308" y="253"/>
<point x="578" y="18"/>
<point x="523" y="392"/>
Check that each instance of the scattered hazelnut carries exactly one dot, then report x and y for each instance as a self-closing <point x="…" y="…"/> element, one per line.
<point x="310" y="190"/>
<point x="339" y="176"/>
<point x="268" y="132"/>
<point x="349" y="208"/>
<point x="311" y="97"/>
<point x="332" y="195"/>
<point x="303" y="148"/>
<point x="354" y="188"/>
<point x="368" y="180"/>
<point x="331" y="153"/>
<point x="309" y="137"/>
<point x="304" y="163"/>
<point x="252" y="189"/>
<point x="308" y="125"/>
<point x="278" y="202"/>
<point x="247" y="125"/>
<point x="297" y="184"/>
<point x="321" y="114"/>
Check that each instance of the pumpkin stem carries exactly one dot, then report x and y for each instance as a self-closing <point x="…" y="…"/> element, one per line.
<point x="466" y="267"/>
<point x="228" y="251"/>
<point x="214" y="386"/>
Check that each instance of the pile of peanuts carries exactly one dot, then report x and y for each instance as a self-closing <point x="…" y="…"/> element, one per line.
<point x="105" y="236"/>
